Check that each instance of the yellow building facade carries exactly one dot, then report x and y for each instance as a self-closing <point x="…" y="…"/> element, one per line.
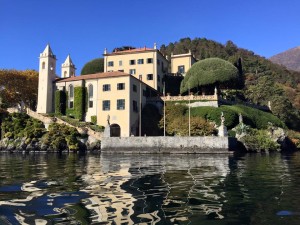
<point x="117" y="96"/>
<point x="146" y="64"/>
<point x="181" y="63"/>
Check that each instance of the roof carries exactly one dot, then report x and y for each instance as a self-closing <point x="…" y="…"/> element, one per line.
<point x="135" y="50"/>
<point x="94" y="76"/>
<point x="99" y="76"/>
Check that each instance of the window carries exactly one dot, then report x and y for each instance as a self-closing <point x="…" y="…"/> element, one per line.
<point x="90" y="94"/>
<point x="132" y="62"/>
<point x="135" y="106"/>
<point x="91" y="91"/>
<point x="140" y="61"/>
<point x="158" y="62"/>
<point x="65" y="74"/>
<point x="110" y="63"/>
<point x="132" y="71"/>
<point x="181" y="69"/>
<point x="121" y="70"/>
<point x="134" y="88"/>
<point x="106" y="105"/>
<point x="150" y="60"/>
<point x="149" y="76"/>
<point x="120" y="86"/>
<point x="43" y="65"/>
<point x="71" y="91"/>
<point x="120" y="104"/>
<point x="106" y="87"/>
<point x="120" y="63"/>
<point x="71" y="104"/>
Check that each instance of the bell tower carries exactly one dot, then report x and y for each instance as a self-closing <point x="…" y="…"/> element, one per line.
<point x="47" y="68"/>
<point x="68" y="68"/>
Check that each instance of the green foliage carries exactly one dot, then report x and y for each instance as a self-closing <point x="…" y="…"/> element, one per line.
<point x="21" y="125"/>
<point x="242" y="128"/>
<point x="252" y="67"/>
<point x="79" y="106"/>
<point x="150" y="121"/>
<point x="177" y="122"/>
<point x="61" y="137"/>
<point x="214" y="114"/>
<point x="259" y="140"/>
<point x="209" y="72"/>
<point x="60" y="102"/>
<point x="94" y="119"/>
<point x="253" y="117"/>
<point x="93" y="66"/>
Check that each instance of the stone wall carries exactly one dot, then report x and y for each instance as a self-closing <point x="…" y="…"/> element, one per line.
<point x="210" y="144"/>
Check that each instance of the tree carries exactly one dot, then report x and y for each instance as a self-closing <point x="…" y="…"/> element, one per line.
<point x="93" y="66"/>
<point x="209" y="72"/>
<point x="18" y="87"/>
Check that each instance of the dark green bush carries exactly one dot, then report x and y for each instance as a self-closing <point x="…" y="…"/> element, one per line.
<point x="214" y="114"/>
<point x="256" y="118"/>
<point x="60" y="102"/>
<point x="253" y="117"/>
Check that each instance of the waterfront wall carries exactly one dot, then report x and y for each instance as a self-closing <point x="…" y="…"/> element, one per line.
<point x="177" y="145"/>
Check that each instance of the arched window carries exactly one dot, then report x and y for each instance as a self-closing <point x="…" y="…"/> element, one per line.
<point x="65" y="74"/>
<point x="71" y="91"/>
<point x="91" y="94"/>
<point x="43" y="65"/>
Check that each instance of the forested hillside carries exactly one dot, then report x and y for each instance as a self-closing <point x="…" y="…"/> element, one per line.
<point x="264" y="80"/>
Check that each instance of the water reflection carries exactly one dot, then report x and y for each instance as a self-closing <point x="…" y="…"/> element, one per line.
<point x="149" y="189"/>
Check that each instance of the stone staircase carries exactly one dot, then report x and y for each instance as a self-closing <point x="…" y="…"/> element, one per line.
<point x="48" y="120"/>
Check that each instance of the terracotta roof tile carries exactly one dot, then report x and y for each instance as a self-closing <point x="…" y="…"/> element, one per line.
<point x="95" y="76"/>
<point x="132" y="51"/>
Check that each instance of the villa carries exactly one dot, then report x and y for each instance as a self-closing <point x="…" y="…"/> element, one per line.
<point x="115" y="96"/>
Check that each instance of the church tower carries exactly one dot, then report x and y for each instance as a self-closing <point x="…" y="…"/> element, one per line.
<point x="68" y="68"/>
<point x="47" y="77"/>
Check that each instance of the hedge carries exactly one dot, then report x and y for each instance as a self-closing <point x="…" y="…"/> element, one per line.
<point x="253" y="117"/>
<point x="60" y="102"/>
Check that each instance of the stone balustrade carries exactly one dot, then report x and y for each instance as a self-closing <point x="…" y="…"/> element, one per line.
<point x="185" y="98"/>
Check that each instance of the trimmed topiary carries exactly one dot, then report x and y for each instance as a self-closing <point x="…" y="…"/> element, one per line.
<point x="93" y="66"/>
<point x="211" y="71"/>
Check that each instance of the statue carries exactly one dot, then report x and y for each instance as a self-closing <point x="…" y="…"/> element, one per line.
<point x="240" y="118"/>
<point x="222" y="119"/>
<point x="222" y="130"/>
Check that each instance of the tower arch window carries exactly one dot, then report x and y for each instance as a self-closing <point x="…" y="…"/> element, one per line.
<point x="43" y="65"/>
<point x="91" y="94"/>
<point x="65" y="74"/>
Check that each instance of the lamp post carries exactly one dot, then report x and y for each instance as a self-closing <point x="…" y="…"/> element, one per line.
<point x="189" y="111"/>
<point x="164" y="93"/>
<point x="140" y="112"/>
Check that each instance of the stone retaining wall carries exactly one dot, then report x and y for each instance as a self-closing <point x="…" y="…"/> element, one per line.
<point x="175" y="145"/>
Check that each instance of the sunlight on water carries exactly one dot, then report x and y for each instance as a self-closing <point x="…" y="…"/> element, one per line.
<point x="149" y="189"/>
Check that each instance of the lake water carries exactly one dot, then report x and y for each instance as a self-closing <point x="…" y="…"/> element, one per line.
<point x="149" y="189"/>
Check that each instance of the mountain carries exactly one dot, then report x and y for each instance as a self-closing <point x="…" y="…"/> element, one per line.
<point x="290" y="59"/>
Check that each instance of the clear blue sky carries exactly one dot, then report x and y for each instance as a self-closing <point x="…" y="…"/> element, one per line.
<point x="84" y="28"/>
